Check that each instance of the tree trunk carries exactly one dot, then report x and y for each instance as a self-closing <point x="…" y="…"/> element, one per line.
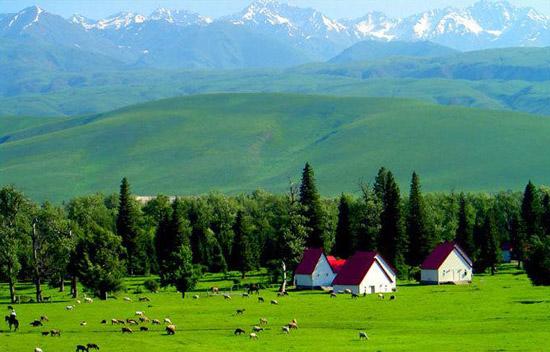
<point x="38" y="285"/>
<point x="283" y="284"/>
<point x="103" y="295"/>
<point x="243" y="274"/>
<point x="12" y="290"/>
<point x="183" y="295"/>
<point x="74" y="287"/>
<point x="62" y="284"/>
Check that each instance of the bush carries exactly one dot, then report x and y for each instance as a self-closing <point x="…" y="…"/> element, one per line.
<point x="151" y="285"/>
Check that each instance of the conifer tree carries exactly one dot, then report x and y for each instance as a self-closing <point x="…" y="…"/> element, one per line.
<point x="312" y="208"/>
<point x="242" y="256"/>
<point x="530" y="221"/>
<point x="368" y="222"/>
<point x="392" y="243"/>
<point x="464" y="232"/>
<point x="344" y="243"/>
<point x="490" y="245"/>
<point x="127" y="224"/>
<point x="420" y="237"/>
<point x="545" y="216"/>
<point x="379" y="187"/>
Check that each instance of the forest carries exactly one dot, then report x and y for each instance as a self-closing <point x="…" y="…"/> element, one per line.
<point x="98" y="239"/>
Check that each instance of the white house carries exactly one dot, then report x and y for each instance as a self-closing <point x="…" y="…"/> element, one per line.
<point x="365" y="272"/>
<point x="446" y="264"/>
<point x="314" y="270"/>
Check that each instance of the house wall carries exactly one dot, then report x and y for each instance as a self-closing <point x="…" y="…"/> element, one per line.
<point x="455" y="269"/>
<point x="506" y="256"/>
<point x="429" y="276"/>
<point x="321" y="276"/>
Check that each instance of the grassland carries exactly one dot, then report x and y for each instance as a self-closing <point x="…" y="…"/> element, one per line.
<point x="241" y="142"/>
<point x="500" y="313"/>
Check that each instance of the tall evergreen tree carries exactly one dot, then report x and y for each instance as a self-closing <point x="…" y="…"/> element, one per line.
<point x="490" y="246"/>
<point x="537" y="264"/>
<point x="344" y="242"/>
<point x="312" y="208"/>
<point x="379" y="187"/>
<point x="420" y="237"/>
<point x="464" y="232"/>
<point x="242" y="256"/>
<point x="530" y="221"/>
<point x="392" y="243"/>
<point x="545" y="216"/>
<point x="127" y="224"/>
<point x="368" y="220"/>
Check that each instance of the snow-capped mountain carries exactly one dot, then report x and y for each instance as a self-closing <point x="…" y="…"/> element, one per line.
<point x="301" y="34"/>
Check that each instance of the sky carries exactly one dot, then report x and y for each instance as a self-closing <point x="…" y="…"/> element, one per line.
<point x="97" y="9"/>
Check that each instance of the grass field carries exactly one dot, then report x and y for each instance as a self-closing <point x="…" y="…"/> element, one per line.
<point x="241" y="142"/>
<point x="500" y="313"/>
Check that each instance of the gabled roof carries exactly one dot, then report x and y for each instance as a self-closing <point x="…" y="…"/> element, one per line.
<point x="440" y="253"/>
<point x="309" y="261"/>
<point x="336" y="264"/>
<point x="356" y="267"/>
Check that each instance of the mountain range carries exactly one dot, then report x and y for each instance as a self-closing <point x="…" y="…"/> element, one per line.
<point x="264" y="34"/>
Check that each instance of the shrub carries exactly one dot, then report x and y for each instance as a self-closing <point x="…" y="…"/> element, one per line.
<point x="151" y="285"/>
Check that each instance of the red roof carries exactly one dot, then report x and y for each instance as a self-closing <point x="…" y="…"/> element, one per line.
<point x="336" y="264"/>
<point x="440" y="253"/>
<point x="309" y="261"/>
<point x="356" y="267"/>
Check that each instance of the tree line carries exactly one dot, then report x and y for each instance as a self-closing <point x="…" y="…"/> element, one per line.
<point x="97" y="239"/>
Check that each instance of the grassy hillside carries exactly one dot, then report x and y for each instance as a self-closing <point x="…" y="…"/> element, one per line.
<point x="494" y="313"/>
<point x="241" y="142"/>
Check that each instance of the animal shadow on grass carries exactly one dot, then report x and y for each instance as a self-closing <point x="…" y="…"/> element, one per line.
<point x="531" y="302"/>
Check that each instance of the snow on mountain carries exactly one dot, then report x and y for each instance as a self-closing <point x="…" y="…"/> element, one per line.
<point x="179" y="17"/>
<point x="374" y="25"/>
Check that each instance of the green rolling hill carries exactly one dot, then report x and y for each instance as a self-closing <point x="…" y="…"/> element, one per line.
<point x="241" y="142"/>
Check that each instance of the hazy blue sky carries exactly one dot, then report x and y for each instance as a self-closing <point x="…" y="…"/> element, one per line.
<point x="216" y="8"/>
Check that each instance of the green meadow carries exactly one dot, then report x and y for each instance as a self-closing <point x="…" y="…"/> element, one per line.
<point x="236" y="143"/>
<point x="495" y="313"/>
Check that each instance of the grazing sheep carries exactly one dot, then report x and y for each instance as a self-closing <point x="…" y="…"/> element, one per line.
<point x="155" y="322"/>
<point x="36" y="323"/>
<point x="286" y="329"/>
<point x="92" y="346"/>
<point x="381" y="296"/>
<point x="45" y="333"/>
<point x="144" y="319"/>
<point x="69" y="307"/>
<point x="144" y="299"/>
<point x="171" y="329"/>
<point x="139" y="313"/>
<point x="55" y="332"/>
<point x="88" y="300"/>
<point x="44" y="318"/>
<point x="239" y="331"/>
<point x="257" y="328"/>
<point x="274" y="301"/>
<point x="195" y="296"/>
<point x="143" y="328"/>
<point x="127" y="299"/>
<point x="263" y="321"/>
<point x="226" y="296"/>
<point x="114" y="321"/>
<point x="78" y="301"/>
<point x="363" y="336"/>
<point x="245" y="295"/>
<point x="167" y="321"/>
<point x="347" y="290"/>
<point x="103" y="321"/>
<point x="292" y="325"/>
<point x="83" y="323"/>
<point x="132" y="322"/>
<point x="392" y="297"/>
<point x="215" y="290"/>
<point x="240" y="311"/>
<point x="294" y="321"/>
<point x="81" y="348"/>
<point x="126" y="330"/>
<point x="333" y="295"/>
<point x="354" y="295"/>
<point x="261" y="300"/>
<point x="253" y="336"/>
<point x="37" y="349"/>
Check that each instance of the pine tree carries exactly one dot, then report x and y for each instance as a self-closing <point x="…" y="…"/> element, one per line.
<point x="368" y="221"/>
<point x="420" y="237"/>
<point x="344" y="244"/>
<point x="392" y="243"/>
<point x="242" y="256"/>
<point x="490" y="246"/>
<point x="529" y="224"/>
<point x="312" y="208"/>
<point x="127" y="224"/>
<point x="537" y="264"/>
<point x="464" y="232"/>
<point x="379" y="187"/>
<point x="545" y="216"/>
